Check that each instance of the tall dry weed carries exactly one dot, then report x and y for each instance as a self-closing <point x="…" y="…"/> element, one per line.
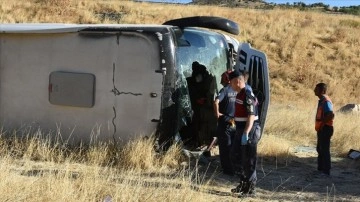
<point x="293" y="125"/>
<point x="346" y="134"/>
<point x="141" y="175"/>
<point x="140" y="154"/>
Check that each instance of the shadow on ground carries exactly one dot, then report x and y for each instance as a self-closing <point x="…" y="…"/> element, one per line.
<point x="292" y="179"/>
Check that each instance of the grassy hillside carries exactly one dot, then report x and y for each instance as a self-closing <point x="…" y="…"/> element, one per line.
<point x="303" y="47"/>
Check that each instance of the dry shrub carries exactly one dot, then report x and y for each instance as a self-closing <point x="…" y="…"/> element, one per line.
<point x="346" y="133"/>
<point x="172" y="157"/>
<point x="274" y="146"/>
<point x="139" y="154"/>
<point x="306" y="22"/>
<point x="100" y="154"/>
<point x="31" y="174"/>
<point x="40" y="179"/>
<point x="339" y="35"/>
<point x="350" y="23"/>
<point x="293" y="125"/>
<point x="32" y="145"/>
<point x="54" y="3"/>
<point x="293" y="122"/>
<point x="304" y="72"/>
<point x="39" y="148"/>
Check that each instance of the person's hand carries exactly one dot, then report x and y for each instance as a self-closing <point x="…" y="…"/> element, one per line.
<point x="218" y="114"/>
<point x="244" y="139"/>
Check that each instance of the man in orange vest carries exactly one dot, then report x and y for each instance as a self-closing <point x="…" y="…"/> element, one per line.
<point x="324" y="128"/>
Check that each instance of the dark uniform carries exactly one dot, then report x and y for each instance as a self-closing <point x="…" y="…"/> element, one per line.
<point x="244" y="157"/>
<point x="226" y="126"/>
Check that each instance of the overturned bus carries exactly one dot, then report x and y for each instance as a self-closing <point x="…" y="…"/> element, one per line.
<point x="116" y="82"/>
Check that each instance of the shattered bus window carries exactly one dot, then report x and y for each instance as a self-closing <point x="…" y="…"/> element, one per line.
<point x="199" y="65"/>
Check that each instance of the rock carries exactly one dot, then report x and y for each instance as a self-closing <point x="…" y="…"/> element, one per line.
<point x="350" y="108"/>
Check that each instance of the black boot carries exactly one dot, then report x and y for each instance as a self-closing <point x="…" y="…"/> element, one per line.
<point x="250" y="189"/>
<point x="247" y="189"/>
<point x="240" y="188"/>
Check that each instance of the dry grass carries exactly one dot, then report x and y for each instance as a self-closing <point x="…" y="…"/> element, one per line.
<point x="34" y="168"/>
<point x="293" y="125"/>
<point x="31" y="181"/>
<point x="303" y="48"/>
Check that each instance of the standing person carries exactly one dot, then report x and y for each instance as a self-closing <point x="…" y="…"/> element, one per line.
<point x="324" y="128"/>
<point x="244" y="148"/>
<point x="201" y="92"/>
<point x="225" y="81"/>
<point x="246" y="77"/>
<point x="224" y="107"/>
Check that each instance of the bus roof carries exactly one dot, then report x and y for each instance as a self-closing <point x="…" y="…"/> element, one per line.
<point x="64" y="28"/>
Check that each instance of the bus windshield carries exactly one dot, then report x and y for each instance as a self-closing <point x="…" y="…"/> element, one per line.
<point x="208" y="48"/>
<point x="201" y="57"/>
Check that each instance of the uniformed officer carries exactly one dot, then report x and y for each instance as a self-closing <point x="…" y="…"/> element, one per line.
<point x="244" y="148"/>
<point x="224" y="107"/>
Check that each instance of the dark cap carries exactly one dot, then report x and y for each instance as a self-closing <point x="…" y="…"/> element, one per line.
<point x="234" y="74"/>
<point x="245" y="73"/>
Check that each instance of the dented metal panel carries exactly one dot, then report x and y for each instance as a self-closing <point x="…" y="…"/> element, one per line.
<point x="126" y="80"/>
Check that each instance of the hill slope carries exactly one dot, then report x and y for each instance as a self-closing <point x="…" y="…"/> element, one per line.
<point x="303" y="47"/>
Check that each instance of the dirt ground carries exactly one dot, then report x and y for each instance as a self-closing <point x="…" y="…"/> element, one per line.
<point x="293" y="180"/>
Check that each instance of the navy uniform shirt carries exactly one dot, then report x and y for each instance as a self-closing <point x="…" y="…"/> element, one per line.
<point x="227" y="97"/>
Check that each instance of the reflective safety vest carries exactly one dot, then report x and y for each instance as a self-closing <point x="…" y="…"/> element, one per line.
<point x="241" y="111"/>
<point x="320" y="114"/>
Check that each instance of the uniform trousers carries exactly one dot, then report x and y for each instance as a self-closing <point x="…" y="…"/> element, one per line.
<point x="244" y="157"/>
<point x="225" y="134"/>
